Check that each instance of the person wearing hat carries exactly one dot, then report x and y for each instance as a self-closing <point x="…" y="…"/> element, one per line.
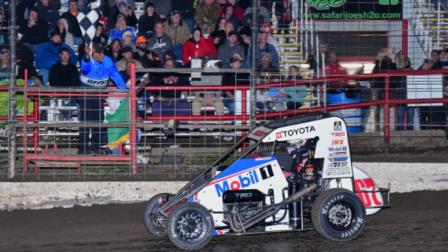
<point x="178" y="31"/>
<point x="120" y="28"/>
<point x="231" y="46"/>
<point x="96" y="72"/>
<point x="148" y="20"/>
<point x="128" y="58"/>
<point x="232" y="79"/>
<point x="147" y="58"/>
<point x="127" y="13"/>
<point x="48" y="55"/>
<point x="127" y="40"/>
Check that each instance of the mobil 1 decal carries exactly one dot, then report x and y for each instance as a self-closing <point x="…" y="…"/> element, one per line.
<point x="243" y="181"/>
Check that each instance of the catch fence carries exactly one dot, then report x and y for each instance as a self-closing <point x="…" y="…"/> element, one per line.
<point x="166" y="137"/>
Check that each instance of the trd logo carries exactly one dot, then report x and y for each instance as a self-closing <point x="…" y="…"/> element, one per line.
<point x="337" y="126"/>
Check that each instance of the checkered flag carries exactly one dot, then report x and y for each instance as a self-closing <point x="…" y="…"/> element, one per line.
<point x="87" y="20"/>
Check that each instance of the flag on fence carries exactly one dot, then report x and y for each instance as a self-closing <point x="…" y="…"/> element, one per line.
<point x="87" y="19"/>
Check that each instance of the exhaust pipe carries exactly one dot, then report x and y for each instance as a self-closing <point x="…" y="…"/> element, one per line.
<point x="238" y="225"/>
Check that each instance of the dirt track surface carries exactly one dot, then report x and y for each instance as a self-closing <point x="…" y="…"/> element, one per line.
<point x="416" y="222"/>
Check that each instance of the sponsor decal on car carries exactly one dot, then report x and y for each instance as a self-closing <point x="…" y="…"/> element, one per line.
<point x="338" y="156"/>
<point x="240" y="181"/>
<point x="337" y="126"/>
<point x="337" y="142"/>
<point x="294" y="132"/>
<point x="338" y="169"/>
<point x="337" y="149"/>
<point x="367" y="193"/>
<point x="338" y="134"/>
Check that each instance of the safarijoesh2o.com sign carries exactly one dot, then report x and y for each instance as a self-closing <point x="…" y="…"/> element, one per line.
<point x="350" y="9"/>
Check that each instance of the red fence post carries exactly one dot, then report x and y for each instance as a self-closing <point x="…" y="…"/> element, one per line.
<point x="133" y="118"/>
<point x="25" y="117"/>
<point x="387" y="111"/>
<point x="244" y="104"/>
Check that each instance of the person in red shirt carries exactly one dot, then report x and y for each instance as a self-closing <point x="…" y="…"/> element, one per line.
<point x="333" y="68"/>
<point x="198" y="47"/>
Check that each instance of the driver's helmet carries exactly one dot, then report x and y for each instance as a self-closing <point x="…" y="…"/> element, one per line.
<point x="294" y="146"/>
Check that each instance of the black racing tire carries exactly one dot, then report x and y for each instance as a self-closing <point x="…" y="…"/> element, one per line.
<point x="154" y="221"/>
<point x="190" y="226"/>
<point x="338" y="215"/>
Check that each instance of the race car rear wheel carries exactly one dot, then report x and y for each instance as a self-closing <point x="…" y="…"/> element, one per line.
<point x="190" y="226"/>
<point x="338" y="215"/>
<point x="155" y="222"/>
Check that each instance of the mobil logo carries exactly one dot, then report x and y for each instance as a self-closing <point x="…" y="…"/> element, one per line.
<point x="236" y="182"/>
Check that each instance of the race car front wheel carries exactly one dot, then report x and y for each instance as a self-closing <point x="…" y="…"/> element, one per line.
<point x="190" y="226"/>
<point x="338" y="215"/>
<point x="155" y="222"/>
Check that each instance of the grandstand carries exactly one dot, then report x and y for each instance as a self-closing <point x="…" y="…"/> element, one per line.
<point x="199" y="74"/>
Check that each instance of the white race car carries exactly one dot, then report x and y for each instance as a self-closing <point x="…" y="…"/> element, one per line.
<point x="288" y="175"/>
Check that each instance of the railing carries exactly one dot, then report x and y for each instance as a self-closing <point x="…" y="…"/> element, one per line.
<point x="32" y="121"/>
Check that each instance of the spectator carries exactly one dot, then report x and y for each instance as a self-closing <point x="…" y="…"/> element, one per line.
<point x="266" y="28"/>
<point x="264" y="15"/>
<point x="25" y="60"/>
<point x="177" y="31"/>
<point x="159" y="41"/>
<point x="148" y="58"/>
<point x="114" y="10"/>
<point x="170" y="102"/>
<point x="229" y="15"/>
<point x="127" y="13"/>
<point x="62" y="29"/>
<point x="48" y="12"/>
<point x="187" y="11"/>
<point x="263" y="48"/>
<point x="114" y="3"/>
<point x="239" y="12"/>
<point x="114" y="51"/>
<point x="34" y="31"/>
<point x="443" y="59"/>
<point x="233" y="79"/>
<point x="5" y="69"/>
<point x="64" y="73"/>
<point x="148" y="20"/>
<point x="207" y="14"/>
<point x="3" y="27"/>
<point x="273" y="98"/>
<point x="163" y="7"/>
<point x="120" y="28"/>
<point x="127" y="59"/>
<point x="197" y="47"/>
<point x="405" y="113"/>
<point x="127" y="40"/>
<point x="382" y="63"/>
<point x="100" y="35"/>
<point x="333" y="68"/>
<point x="227" y="50"/>
<point x="433" y="63"/>
<point x="295" y="95"/>
<point x="72" y="21"/>
<point x="219" y="35"/>
<point x="48" y="55"/>
<point x="95" y="73"/>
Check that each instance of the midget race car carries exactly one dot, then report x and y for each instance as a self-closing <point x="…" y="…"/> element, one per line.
<point x="293" y="174"/>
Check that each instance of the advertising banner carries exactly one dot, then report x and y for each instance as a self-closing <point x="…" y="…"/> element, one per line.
<point x="351" y="9"/>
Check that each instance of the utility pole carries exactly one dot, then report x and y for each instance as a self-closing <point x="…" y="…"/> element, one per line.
<point x="11" y="126"/>
<point x="253" y="72"/>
